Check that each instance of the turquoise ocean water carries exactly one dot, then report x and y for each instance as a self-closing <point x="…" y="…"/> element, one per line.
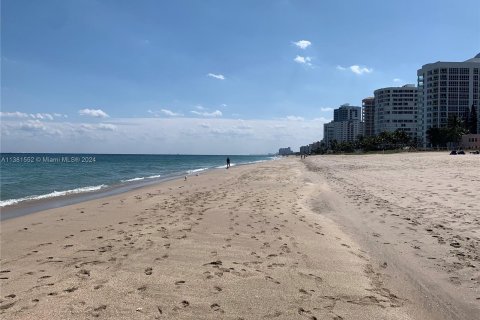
<point x="31" y="176"/>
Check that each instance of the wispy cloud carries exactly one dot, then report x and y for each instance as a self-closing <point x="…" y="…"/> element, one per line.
<point x="216" y="76"/>
<point x="42" y="116"/>
<point x="303" y="60"/>
<point x="165" y="112"/>
<point x="95" y="113"/>
<point x="356" y="69"/>
<point x="295" y="118"/>
<point x="397" y="80"/>
<point x="32" y="125"/>
<point x="107" y="126"/>
<point x="99" y="126"/>
<point x="170" y="113"/>
<point x="15" y="114"/>
<point x="175" y="134"/>
<point x="360" y="70"/>
<point x="214" y="114"/>
<point x="303" y="44"/>
<point x="326" y="109"/>
<point x="23" y="115"/>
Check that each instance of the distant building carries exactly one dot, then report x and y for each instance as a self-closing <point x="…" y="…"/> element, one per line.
<point x="347" y="112"/>
<point x="346" y="126"/>
<point x="368" y="114"/>
<point x="471" y="141"/>
<point x="285" y="151"/>
<point x="305" y="150"/>
<point x="396" y="109"/>
<point x="447" y="89"/>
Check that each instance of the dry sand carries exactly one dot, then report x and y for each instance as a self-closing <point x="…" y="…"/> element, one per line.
<point x="420" y="214"/>
<point x="321" y="238"/>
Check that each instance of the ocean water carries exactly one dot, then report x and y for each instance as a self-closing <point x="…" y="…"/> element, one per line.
<point x="31" y="176"/>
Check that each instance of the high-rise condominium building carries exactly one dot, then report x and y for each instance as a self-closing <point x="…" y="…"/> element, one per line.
<point x="447" y="89"/>
<point x="347" y="112"/>
<point x="396" y="109"/>
<point x="368" y="114"/>
<point x="346" y="126"/>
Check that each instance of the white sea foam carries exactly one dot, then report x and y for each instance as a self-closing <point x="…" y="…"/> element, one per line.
<point x="196" y="170"/>
<point x="141" y="178"/>
<point x="133" y="179"/>
<point x="53" y="194"/>
<point x="224" y="166"/>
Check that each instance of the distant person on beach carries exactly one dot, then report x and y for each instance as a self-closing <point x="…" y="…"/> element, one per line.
<point x="228" y="162"/>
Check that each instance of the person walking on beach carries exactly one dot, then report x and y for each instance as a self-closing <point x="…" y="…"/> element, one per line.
<point x="228" y="162"/>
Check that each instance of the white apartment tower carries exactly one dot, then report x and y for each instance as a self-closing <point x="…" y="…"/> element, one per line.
<point x="396" y="109"/>
<point x="346" y="126"/>
<point x="446" y="89"/>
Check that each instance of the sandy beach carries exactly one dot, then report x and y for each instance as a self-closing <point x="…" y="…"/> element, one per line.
<point x="327" y="237"/>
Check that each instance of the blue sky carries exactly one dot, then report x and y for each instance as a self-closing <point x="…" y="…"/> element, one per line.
<point x="84" y="75"/>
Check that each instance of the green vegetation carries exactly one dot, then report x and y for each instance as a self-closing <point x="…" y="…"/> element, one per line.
<point x="448" y="136"/>
<point x="455" y="129"/>
<point x="384" y="141"/>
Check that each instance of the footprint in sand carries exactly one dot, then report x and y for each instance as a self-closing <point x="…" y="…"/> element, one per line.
<point x="216" y="307"/>
<point x="70" y="290"/>
<point x="306" y="313"/>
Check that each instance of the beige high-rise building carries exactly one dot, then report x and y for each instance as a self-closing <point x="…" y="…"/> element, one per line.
<point x="396" y="109"/>
<point x="447" y="89"/>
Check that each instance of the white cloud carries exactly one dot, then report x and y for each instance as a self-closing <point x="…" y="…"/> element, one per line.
<point x="356" y="69"/>
<point x="224" y="105"/>
<point x="22" y="115"/>
<point x="397" y="80"/>
<point x="43" y="116"/>
<point x="92" y="127"/>
<point x="303" y="60"/>
<point x="216" y="76"/>
<point x="326" y="109"/>
<point x="303" y="44"/>
<point x="322" y="120"/>
<point x="15" y="114"/>
<point x="360" y="70"/>
<point x="96" y="113"/>
<point x="295" y="118"/>
<point x="170" y="113"/>
<point x="199" y="107"/>
<point x="214" y="114"/>
<point x="160" y="135"/>
<point x="32" y="125"/>
<point x="107" y="126"/>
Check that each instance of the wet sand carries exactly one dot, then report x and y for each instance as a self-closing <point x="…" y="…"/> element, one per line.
<point x="276" y="240"/>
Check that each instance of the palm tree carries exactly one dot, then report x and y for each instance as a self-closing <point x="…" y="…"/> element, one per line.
<point x="472" y="123"/>
<point x="456" y="129"/>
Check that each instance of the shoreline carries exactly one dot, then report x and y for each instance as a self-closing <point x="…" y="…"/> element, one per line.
<point x="29" y="206"/>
